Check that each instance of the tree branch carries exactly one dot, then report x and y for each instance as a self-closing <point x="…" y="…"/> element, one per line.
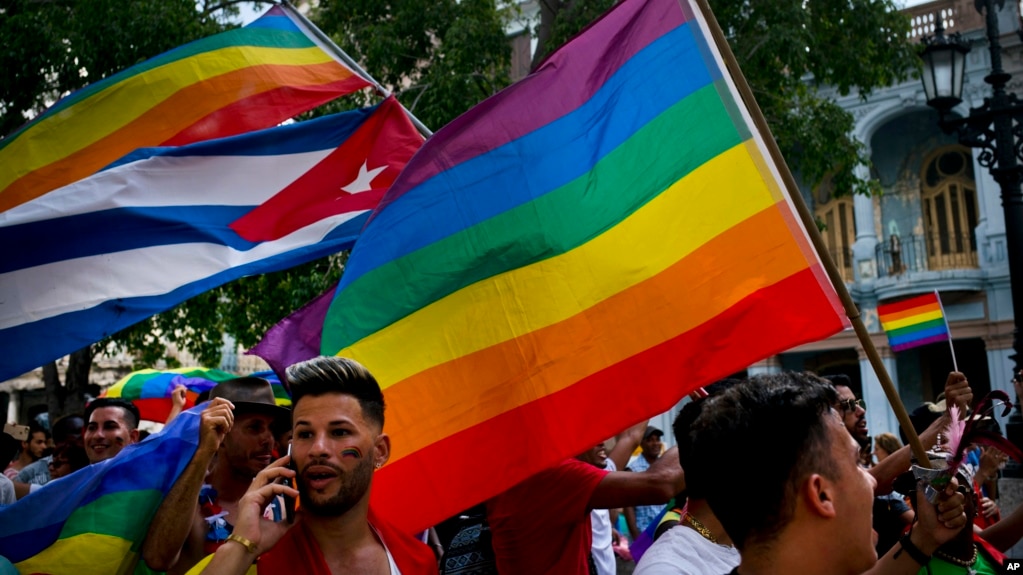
<point x="207" y="10"/>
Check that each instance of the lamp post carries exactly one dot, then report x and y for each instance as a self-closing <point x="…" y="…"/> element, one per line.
<point x="995" y="128"/>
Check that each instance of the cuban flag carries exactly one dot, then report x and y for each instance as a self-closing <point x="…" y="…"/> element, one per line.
<point x="164" y="224"/>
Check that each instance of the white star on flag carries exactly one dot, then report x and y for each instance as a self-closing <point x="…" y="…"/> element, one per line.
<point x="364" y="181"/>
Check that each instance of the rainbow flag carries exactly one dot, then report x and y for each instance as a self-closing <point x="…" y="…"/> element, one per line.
<point x="914" y="322"/>
<point x="574" y="254"/>
<point x="150" y="389"/>
<point x="93" y="521"/>
<point x="240" y="80"/>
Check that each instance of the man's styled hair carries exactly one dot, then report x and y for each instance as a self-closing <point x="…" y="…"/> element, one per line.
<point x="329" y="374"/>
<point x="750" y="448"/>
<point x="131" y="413"/>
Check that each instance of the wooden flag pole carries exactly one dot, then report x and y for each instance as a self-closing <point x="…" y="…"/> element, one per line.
<point x="851" y="311"/>
<point x="351" y="63"/>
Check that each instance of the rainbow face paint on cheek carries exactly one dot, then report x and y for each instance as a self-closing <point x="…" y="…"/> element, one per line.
<point x="351" y="451"/>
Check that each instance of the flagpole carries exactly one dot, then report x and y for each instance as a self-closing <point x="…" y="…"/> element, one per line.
<point x="851" y="311"/>
<point x="948" y="329"/>
<point x="351" y="63"/>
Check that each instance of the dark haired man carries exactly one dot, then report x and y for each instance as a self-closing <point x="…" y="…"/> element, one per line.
<point x="111" y="424"/>
<point x="338" y="443"/>
<point x="790" y="475"/>
<point x="32" y="450"/>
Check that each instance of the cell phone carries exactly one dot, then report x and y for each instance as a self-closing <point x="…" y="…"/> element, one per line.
<point x="282" y="507"/>
<point x="19" y="432"/>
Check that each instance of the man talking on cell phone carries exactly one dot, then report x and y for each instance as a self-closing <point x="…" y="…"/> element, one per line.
<point x="338" y="443"/>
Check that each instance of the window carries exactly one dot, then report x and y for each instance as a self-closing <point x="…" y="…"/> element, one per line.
<point x="839" y="231"/>
<point x="949" y="203"/>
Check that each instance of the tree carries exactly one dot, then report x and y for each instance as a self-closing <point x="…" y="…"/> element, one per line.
<point x="440" y="57"/>
<point x="790" y="51"/>
<point x="53" y="48"/>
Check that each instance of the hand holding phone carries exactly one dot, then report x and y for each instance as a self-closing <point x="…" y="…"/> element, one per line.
<point x="282" y="508"/>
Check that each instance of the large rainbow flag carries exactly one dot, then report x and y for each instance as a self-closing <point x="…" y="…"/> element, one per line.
<point x="240" y="80"/>
<point x="914" y="322"/>
<point x="571" y="256"/>
<point x="93" y="521"/>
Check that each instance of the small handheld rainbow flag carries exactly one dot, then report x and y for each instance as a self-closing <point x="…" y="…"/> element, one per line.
<point x="914" y="322"/>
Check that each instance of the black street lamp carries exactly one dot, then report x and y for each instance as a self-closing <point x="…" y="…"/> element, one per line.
<point x="995" y="128"/>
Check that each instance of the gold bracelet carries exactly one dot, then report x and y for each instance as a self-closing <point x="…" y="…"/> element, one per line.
<point x="248" y="545"/>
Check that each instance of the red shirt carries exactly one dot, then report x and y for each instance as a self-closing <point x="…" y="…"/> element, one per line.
<point x="298" y="552"/>
<point x="542" y="525"/>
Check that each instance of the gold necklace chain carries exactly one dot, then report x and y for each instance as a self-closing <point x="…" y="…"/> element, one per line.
<point x="957" y="561"/>
<point x="700" y="528"/>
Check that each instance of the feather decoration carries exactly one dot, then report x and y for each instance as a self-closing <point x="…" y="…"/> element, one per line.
<point x="954" y="431"/>
<point x="967" y="433"/>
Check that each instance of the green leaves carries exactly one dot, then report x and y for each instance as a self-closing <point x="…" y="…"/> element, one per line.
<point x="440" y="57"/>
<point x="55" y="47"/>
<point x="787" y="50"/>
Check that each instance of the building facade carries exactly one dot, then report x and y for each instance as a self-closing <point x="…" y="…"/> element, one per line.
<point x="937" y="225"/>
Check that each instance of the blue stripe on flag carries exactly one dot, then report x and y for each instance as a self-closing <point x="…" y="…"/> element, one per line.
<point x="922" y="334"/>
<point x="30" y="345"/>
<point x="111" y="231"/>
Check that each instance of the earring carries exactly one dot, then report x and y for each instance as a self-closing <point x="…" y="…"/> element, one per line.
<point x="379" y="465"/>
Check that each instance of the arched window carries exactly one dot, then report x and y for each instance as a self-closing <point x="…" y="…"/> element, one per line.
<point x="839" y="231"/>
<point x="949" y="203"/>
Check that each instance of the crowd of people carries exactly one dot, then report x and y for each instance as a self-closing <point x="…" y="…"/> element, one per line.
<point x="772" y="474"/>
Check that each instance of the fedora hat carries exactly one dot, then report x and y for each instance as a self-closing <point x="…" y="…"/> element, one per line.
<point x="251" y="395"/>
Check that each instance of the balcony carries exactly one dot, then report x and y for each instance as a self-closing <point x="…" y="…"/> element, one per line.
<point x="956" y="16"/>
<point x="929" y="252"/>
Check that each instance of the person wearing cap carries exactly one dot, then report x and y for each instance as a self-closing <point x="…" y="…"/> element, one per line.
<point x="235" y="443"/>
<point x="638" y="518"/>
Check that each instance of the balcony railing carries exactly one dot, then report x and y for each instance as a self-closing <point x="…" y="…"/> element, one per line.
<point x="956" y="16"/>
<point x="898" y="255"/>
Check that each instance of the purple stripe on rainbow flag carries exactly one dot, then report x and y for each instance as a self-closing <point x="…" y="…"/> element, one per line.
<point x="917" y="343"/>
<point x="461" y="144"/>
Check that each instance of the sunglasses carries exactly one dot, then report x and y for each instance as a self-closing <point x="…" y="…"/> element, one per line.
<point x="850" y="405"/>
